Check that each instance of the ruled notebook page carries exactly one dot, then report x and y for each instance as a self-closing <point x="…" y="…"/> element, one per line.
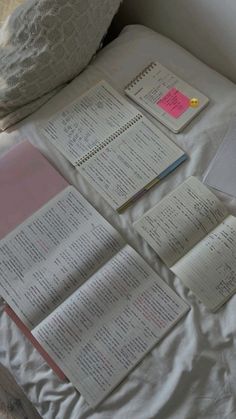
<point x="100" y="333"/>
<point x="125" y="168"/>
<point x="86" y="123"/>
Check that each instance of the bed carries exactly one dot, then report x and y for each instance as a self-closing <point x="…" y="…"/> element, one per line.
<point x="192" y="372"/>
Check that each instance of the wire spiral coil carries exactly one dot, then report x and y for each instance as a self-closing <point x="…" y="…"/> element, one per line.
<point x="140" y="76"/>
<point x="108" y="140"/>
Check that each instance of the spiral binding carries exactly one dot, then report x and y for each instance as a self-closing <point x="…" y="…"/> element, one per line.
<point x="140" y="76"/>
<point x="112" y="137"/>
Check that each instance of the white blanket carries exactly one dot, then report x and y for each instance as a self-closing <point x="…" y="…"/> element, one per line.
<point x="192" y="372"/>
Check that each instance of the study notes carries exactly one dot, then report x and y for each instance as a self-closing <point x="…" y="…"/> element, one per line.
<point x="88" y="298"/>
<point x="114" y="147"/>
<point x="166" y="97"/>
<point x="194" y="235"/>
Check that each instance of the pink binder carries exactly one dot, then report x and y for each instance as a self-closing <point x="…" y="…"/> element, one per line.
<point x="27" y="182"/>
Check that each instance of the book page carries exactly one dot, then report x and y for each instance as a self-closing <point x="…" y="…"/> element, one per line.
<point x="209" y="269"/>
<point x="181" y="220"/>
<point x="104" y="329"/>
<point x="52" y="253"/>
<point x="168" y="98"/>
<point x="126" y="166"/>
<point x="86" y="123"/>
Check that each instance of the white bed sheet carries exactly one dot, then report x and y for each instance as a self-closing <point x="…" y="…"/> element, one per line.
<point x="192" y="372"/>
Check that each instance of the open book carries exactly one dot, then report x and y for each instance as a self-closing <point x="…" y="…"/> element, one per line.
<point x="89" y="300"/>
<point x="115" y="148"/>
<point x="165" y="96"/>
<point x="194" y="235"/>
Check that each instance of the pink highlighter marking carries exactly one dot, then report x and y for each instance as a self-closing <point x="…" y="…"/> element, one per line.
<point x="174" y="103"/>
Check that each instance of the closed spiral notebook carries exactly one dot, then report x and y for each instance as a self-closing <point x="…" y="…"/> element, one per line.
<point x="165" y="96"/>
<point x="112" y="144"/>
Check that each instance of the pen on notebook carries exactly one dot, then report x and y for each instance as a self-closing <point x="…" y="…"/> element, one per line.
<point x="138" y="195"/>
<point x="152" y="183"/>
<point x="173" y="166"/>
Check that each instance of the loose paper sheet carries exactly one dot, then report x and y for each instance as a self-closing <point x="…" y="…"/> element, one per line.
<point x="221" y="173"/>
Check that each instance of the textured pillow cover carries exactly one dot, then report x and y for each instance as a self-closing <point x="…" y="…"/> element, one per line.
<point x="7" y="7"/>
<point x="43" y="44"/>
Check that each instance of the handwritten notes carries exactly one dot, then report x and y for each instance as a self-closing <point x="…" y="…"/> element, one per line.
<point x="174" y="103"/>
<point x="192" y="232"/>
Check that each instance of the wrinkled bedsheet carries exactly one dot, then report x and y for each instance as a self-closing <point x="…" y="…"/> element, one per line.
<point x="191" y="374"/>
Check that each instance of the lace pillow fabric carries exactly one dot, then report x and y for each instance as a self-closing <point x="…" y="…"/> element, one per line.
<point x="7" y="7"/>
<point x="43" y="44"/>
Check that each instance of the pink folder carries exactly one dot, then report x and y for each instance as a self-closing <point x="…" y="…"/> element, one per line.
<point x="27" y="182"/>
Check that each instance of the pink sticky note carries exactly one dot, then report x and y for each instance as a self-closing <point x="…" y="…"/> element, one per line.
<point x="174" y="103"/>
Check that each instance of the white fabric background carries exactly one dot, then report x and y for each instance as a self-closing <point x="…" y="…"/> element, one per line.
<point x="206" y="28"/>
<point x="191" y="374"/>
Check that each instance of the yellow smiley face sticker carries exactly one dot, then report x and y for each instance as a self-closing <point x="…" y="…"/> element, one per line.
<point x="194" y="102"/>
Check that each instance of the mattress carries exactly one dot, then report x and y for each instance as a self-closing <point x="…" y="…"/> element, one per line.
<point x="191" y="373"/>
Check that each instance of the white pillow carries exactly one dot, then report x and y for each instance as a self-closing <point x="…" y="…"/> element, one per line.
<point x="43" y="44"/>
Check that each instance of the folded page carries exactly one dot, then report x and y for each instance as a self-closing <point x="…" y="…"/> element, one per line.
<point x="181" y="220"/>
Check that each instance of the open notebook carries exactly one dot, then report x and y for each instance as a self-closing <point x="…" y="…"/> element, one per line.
<point x="114" y="147"/>
<point x="194" y="235"/>
<point x="88" y="300"/>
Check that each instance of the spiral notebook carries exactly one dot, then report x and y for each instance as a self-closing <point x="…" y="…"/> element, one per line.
<point x="166" y="97"/>
<point x="115" y="148"/>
